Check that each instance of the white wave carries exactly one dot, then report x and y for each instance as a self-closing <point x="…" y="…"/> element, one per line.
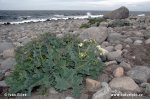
<point x="55" y="18"/>
<point x="141" y="15"/>
<point x="27" y="21"/>
<point x="58" y="15"/>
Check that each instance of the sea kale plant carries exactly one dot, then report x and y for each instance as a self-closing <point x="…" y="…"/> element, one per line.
<point x="93" y="22"/>
<point x="62" y="63"/>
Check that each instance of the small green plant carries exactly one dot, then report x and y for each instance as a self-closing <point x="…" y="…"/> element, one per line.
<point x="85" y="25"/>
<point x="62" y="63"/>
<point x="119" y="23"/>
<point x="93" y="21"/>
<point x="96" y="20"/>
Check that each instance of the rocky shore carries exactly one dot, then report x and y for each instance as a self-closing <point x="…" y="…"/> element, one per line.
<point x="127" y="59"/>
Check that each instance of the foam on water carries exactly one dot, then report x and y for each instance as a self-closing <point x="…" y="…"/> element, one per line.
<point x="56" y="17"/>
<point x="141" y="15"/>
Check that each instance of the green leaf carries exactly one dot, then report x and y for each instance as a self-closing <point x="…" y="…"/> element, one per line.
<point x="61" y="84"/>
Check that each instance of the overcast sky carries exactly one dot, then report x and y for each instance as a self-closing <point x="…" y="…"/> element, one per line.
<point x="134" y="5"/>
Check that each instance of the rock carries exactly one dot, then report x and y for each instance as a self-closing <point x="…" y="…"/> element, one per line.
<point x="124" y="84"/>
<point x="5" y="46"/>
<point x="3" y="84"/>
<point x="138" y="42"/>
<point x="128" y="40"/>
<point x="125" y="65"/>
<point x="69" y="98"/>
<point x="104" y="24"/>
<point x="139" y="73"/>
<point x="104" y="78"/>
<point x="105" y="44"/>
<point x="114" y="55"/>
<point x="103" y="93"/>
<point x="17" y="44"/>
<point x="147" y="41"/>
<point x="92" y="85"/>
<point x="147" y="90"/>
<point x="110" y="63"/>
<point x="7" y="73"/>
<point x="8" y="64"/>
<point x="24" y="40"/>
<point x="109" y="48"/>
<point x="98" y="33"/>
<point x="115" y="37"/>
<point x="60" y="35"/>
<point x="147" y="35"/>
<point x="8" y="53"/>
<point x="119" y="72"/>
<point x="120" y="13"/>
<point x="118" y="47"/>
<point x="52" y="91"/>
<point x="146" y="87"/>
<point x="110" y="69"/>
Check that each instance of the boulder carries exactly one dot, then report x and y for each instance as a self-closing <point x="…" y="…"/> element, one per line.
<point x="120" y="13"/>
<point x="103" y="93"/>
<point x="97" y="33"/>
<point x="139" y="73"/>
<point x="124" y="84"/>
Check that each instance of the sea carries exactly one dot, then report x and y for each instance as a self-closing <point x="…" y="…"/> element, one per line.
<point x="20" y="16"/>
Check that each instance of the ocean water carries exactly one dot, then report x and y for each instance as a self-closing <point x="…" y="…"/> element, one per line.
<point x="35" y="16"/>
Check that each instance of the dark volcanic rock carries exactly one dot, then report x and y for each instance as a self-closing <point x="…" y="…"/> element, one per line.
<point x="120" y="13"/>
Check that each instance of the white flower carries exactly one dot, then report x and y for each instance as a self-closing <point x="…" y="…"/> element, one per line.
<point x="86" y="40"/>
<point x="98" y="47"/>
<point x="102" y="50"/>
<point x="80" y="45"/>
<point x="82" y="55"/>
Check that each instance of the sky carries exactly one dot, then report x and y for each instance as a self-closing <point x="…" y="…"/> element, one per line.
<point x="133" y="5"/>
